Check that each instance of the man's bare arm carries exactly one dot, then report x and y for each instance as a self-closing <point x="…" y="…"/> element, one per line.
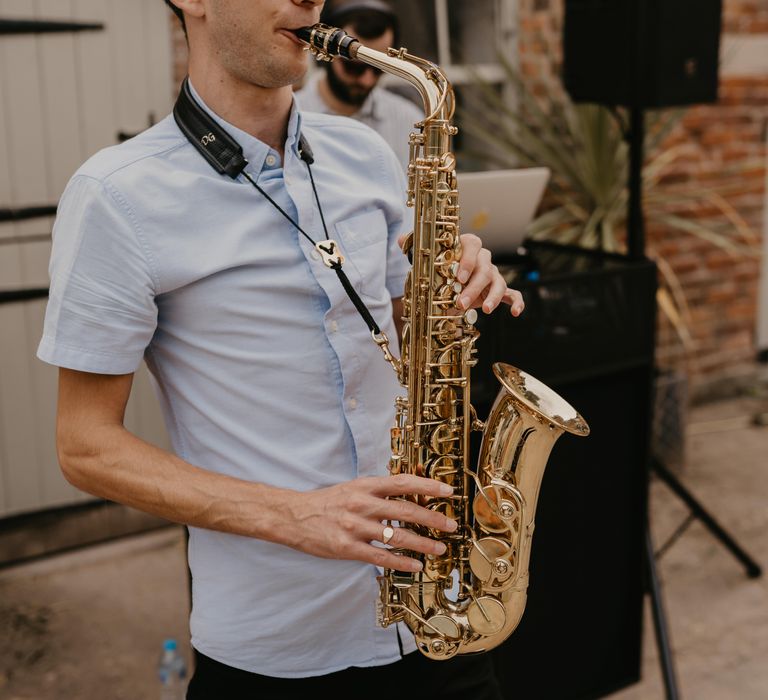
<point x="100" y="456"/>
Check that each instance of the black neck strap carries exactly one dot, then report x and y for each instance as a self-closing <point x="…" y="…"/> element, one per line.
<point x="225" y="155"/>
<point x="206" y="135"/>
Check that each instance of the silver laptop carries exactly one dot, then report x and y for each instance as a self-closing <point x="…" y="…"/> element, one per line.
<point x="498" y="205"/>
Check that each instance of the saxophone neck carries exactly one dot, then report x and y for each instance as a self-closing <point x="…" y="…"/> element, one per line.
<point x="327" y="43"/>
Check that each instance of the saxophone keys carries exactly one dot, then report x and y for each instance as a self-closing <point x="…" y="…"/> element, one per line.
<point x="443" y="469"/>
<point x="491" y="561"/>
<point x="437" y="568"/>
<point x="496" y="508"/>
<point x="486" y="615"/>
<point x="445" y="293"/>
<point x="440" y="637"/>
<point x="443" y="439"/>
<point x="443" y="402"/>
<point x="447" y="162"/>
<point x="445" y="331"/>
<point x="470" y="317"/>
<point x="444" y="190"/>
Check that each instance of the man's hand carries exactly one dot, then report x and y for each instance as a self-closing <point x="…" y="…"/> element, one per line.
<point x="342" y="521"/>
<point x="483" y="285"/>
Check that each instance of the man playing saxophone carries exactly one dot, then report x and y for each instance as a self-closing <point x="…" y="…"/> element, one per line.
<point x="277" y="401"/>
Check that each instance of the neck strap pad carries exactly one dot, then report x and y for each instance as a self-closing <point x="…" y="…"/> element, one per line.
<point x="220" y="150"/>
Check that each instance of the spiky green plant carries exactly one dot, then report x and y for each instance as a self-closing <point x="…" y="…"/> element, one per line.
<point x="585" y="148"/>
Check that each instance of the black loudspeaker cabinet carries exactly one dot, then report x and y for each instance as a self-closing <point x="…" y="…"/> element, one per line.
<point x="588" y="333"/>
<point x="642" y="53"/>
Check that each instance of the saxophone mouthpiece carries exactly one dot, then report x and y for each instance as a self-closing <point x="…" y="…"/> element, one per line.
<point x="328" y="42"/>
<point x="304" y="33"/>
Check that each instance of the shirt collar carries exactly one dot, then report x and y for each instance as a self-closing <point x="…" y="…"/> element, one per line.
<point x="255" y="150"/>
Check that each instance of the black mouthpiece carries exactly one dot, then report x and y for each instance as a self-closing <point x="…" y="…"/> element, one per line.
<point x="305" y="34"/>
<point x="329" y="41"/>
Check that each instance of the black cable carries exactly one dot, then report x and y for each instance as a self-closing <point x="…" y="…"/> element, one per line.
<point x="336" y="267"/>
<point x="280" y="209"/>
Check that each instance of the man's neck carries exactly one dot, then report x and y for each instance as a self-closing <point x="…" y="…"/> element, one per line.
<point x="333" y="102"/>
<point x="261" y="112"/>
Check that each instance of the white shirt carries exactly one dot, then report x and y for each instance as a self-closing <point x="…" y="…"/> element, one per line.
<point x="265" y="370"/>
<point x="387" y="113"/>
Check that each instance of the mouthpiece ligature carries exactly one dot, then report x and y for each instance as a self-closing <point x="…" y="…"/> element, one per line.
<point x="327" y="42"/>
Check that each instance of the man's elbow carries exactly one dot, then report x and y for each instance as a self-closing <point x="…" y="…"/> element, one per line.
<point x="76" y="458"/>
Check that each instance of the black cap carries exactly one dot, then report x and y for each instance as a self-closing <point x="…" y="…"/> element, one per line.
<point x="335" y="10"/>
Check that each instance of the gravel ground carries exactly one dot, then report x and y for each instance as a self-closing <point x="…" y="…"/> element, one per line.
<point x="89" y="624"/>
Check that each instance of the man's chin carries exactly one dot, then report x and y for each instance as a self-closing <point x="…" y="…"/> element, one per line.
<point x="357" y="98"/>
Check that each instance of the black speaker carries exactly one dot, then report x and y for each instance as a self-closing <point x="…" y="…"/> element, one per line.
<point x="642" y="53"/>
<point x="588" y="333"/>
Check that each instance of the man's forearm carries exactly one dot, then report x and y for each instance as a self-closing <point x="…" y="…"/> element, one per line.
<point x="118" y="466"/>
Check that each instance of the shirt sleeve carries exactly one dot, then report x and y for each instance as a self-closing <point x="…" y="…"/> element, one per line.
<point x="401" y="221"/>
<point x="101" y="311"/>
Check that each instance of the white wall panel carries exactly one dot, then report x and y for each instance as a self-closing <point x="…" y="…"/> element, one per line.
<point x="62" y="98"/>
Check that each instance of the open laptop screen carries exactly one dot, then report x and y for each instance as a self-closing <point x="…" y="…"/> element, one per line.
<point x="498" y="205"/>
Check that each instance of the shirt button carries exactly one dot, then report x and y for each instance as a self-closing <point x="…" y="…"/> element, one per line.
<point x="353" y="404"/>
<point x="334" y="327"/>
<point x="314" y="254"/>
<point x="271" y="160"/>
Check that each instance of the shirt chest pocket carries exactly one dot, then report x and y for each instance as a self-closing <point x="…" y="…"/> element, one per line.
<point x="363" y="239"/>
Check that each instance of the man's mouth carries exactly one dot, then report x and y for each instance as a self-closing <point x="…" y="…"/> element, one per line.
<point x="291" y="35"/>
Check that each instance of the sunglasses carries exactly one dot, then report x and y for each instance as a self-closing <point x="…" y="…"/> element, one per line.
<point x="355" y="69"/>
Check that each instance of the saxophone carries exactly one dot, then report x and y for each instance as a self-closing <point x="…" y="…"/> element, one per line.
<point x="472" y="597"/>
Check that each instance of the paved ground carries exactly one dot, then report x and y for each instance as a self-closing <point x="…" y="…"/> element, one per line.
<point x="88" y="625"/>
<point x="718" y="617"/>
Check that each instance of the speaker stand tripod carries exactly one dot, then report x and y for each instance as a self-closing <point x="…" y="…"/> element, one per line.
<point x="636" y="250"/>
<point x="653" y="585"/>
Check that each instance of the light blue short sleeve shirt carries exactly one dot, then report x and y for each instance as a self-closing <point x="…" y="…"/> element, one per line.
<point x="265" y="371"/>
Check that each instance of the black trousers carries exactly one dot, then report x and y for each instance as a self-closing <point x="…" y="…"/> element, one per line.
<point x="414" y="676"/>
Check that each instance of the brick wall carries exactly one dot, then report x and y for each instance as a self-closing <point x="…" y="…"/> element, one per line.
<point x="726" y="151"/>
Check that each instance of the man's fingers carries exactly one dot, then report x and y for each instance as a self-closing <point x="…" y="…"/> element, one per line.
<point x="471" y="246"/>
<point x="405" y="484"/>
<point x="393" y="508"/>
<point x="387" y="559"/>
<point x="403" y="538"/>
<point x="515" y="301"/>
<point x="403" y="511"/>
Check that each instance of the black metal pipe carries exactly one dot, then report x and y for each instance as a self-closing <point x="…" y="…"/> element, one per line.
<point x="24" y="213"/>
<point x="37" y="26"/>
<point x="15" y="295"/>
<point x="660" y="621"/>
<point x="635" y="222"/>
<point x="753" y="569"/>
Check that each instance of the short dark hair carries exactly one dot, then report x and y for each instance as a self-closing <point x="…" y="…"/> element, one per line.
<point x="178" y="13"/>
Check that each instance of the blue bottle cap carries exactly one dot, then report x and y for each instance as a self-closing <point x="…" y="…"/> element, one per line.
<point x="169" y="644"/>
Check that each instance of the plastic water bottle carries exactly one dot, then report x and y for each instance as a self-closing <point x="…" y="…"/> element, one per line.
<point x="172" y="672"/>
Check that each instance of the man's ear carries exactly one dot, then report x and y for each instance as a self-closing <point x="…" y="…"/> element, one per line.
<point x="193" y="8"/>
